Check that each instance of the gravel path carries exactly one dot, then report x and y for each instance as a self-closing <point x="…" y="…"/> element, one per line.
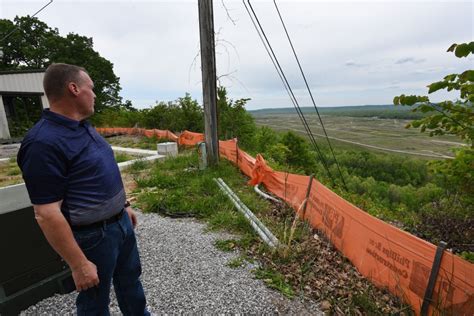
<point x="183" y="272"/>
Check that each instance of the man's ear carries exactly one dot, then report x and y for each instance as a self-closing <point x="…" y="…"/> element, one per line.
<point x="73" y="88"/>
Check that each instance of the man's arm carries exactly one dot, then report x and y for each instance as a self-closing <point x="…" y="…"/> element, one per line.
<point x="59" y="235"/>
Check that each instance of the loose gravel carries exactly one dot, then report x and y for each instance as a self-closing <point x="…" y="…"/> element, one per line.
<point x="183" y="272"/>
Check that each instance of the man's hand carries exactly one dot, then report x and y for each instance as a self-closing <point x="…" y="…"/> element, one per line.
<point x="132" y="215"/>
<point x="59" y="235"/>
<point x="85" y="276"/>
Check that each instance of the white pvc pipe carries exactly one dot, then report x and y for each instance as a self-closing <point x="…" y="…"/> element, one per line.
<point x="252" y="223"/>
<point x="264" y="195"/>
<point x="256" y="223"/>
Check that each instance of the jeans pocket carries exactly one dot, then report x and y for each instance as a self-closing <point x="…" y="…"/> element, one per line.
<point x="88" y="240"/>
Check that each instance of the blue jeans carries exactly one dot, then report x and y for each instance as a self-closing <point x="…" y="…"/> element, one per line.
<point x="113" y="249"/>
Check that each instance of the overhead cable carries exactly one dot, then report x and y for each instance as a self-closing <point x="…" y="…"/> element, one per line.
<point x="293" y="100"/>
<point x="310" y="94"/>
<point x="287" y="86"/>
<point x="14" y="29"/>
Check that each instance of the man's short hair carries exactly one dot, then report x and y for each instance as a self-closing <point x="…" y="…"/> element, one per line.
<point x="58" y="76"/>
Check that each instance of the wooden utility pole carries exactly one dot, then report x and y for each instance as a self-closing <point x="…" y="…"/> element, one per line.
<point x="208" y="68"/>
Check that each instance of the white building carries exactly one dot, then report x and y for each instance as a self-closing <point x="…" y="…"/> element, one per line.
<point x="20" y="90"/>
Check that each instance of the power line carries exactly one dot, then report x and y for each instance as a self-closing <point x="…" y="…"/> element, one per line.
<point x="275" y="65"/>
<point x="287" y="86"/>
<point x="14" y="29"/>
<point x="289" y="90"/>
<point x="310" y="94"/>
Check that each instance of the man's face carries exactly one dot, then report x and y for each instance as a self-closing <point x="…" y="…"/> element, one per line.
<point x="86" y="96"/>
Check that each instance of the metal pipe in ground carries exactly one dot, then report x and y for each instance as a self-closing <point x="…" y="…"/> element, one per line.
<point x="246" y="209"/>
<point x="254" y="218"/>
<point x="259" y="227"/>
<point x="252" y="223"/>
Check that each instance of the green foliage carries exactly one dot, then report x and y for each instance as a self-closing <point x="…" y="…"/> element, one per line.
<point x="178" y="186"/>
<point x="265" y="138"/>
<point x="462" y="50"/>
<point x="236" y="262"/>
<point x="275" y="280"/>
<point x="226" y="245"/>
<point x="26" y="112"/>
<point x="35" y="45"/>
<point x="394" y="188"/>
<point x="233" y="120"/>
<point x="10" y="173"/>
<point x="366" y="302"/>
<point x="137" y="166"/>
<point x="298" y="153"/>
<point x="379" y="111"/>
<point x="447" y="117"/>
<point x="278" y="153"/>
<point x="468" y="255"/>
<point x="179" y="115"/>
<point x="391" y="169"/>
<point x="455" y="176"/>
<point x="121" y="157"/>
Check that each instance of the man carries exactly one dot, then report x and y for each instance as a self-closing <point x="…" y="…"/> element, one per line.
<point x="78" y="197"/>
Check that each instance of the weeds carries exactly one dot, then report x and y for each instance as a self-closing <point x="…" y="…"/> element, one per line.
<point x="138" y="166"/>
<point x="121" y="157"/>
<point x="275" y="280"/>
<point x="307" y="265"/>
<point x="10" y="173"/>
<point x="227" y="245"/>
<point x="236" y="262"/>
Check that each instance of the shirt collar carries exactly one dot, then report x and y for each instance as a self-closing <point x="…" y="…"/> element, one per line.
<point x="62" y="120"/>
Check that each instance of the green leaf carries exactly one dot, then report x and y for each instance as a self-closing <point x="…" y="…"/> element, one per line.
<point x="452" y="47"/>
<point x="408" y="99"/>
<point x="396" y="100"/>
<point x="468" y="75"/>
<point x="435" y="86"/>
<point x="425" y="108"/>
<point x="462" y="50"/>
<point x="451" y="77"/>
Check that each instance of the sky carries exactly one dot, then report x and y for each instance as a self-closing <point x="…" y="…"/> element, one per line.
<point x="352" y="52"/>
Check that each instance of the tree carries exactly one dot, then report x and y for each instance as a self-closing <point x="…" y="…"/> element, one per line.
<point x="35" y="45"/>
<point x="299" y="154"/>
<point x="191" y="114"/>
<point x="454" y="118"/>
<point x="233" y="120"/>
<point x="447" y="117"/>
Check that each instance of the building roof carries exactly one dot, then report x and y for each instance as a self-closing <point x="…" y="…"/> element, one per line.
<point x="21" y="71"/>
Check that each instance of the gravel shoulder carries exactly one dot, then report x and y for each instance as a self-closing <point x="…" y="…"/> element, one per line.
<point x="183" y="272"/>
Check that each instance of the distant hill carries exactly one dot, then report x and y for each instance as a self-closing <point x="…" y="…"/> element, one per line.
<point x="382" y="111"/>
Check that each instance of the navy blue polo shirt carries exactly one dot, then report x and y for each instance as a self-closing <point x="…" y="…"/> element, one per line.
<point x="64" y="159"/>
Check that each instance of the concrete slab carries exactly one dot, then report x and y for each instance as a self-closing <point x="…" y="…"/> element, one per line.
<point x="125" y="164"/>
<point x="14" y="197"/>
<point x="136" y="151"/>
<point x="168" y="149"/>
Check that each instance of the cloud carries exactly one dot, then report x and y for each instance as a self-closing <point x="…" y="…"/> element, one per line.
<point x="410" y="60"/>
<point x="361" y="59"/>
<point x="352" y="63"/>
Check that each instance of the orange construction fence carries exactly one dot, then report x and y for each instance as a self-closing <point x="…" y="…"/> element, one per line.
<point x="386" y="255"/>
<point x="137" y="131"/>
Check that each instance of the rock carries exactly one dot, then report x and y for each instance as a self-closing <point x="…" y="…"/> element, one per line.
<point x="325" y="305"/>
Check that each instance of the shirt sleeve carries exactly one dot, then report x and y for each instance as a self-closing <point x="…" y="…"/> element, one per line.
<point x="45" y="172"/>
